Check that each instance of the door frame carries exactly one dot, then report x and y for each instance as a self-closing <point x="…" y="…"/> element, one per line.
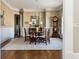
<point x="67" y="29"/>
<point x="15" y="25"/>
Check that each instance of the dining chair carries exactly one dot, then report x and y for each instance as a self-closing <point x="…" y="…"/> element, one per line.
<point x="32" y="32"/>
<point x="26" y="34"/>
<point x="43" y="38"/>
<point x="48" y="35"/>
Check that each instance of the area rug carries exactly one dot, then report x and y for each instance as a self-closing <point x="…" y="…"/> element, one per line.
<point x="19" y="44"/>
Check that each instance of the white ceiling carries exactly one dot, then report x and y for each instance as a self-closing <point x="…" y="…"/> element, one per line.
<point x="35" y="4"/>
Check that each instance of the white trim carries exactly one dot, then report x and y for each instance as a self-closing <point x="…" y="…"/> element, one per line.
<point x="9" y="5"/>
<point x="6" y="33"/>
<point x="76" y="24"/>
<point x="76" y="54"/>
<point x="68" y="29"/>
<point x="31" y="10"/>
<point x="68" y="25"/>
<point x="54" y="9"/>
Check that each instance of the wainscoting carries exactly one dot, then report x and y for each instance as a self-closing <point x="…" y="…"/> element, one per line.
<point x="6" y="33"/>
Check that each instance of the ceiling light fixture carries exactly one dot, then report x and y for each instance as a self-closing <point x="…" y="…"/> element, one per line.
<point x="36" y="11"/>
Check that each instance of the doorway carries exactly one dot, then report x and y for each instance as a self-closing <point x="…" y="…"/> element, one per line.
<point x="17" y="25"/>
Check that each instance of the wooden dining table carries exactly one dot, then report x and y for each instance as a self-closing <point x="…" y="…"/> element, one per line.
<point x="35" y="35"/>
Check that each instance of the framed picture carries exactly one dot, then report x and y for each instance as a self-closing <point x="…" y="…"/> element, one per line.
<point x="35" y="20"/>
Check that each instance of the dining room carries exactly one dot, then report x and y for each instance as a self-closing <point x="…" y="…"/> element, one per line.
<point x="33" y="27"/>
<point x="37" y="30"/>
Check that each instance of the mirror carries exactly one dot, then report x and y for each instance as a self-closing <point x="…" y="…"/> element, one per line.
<point x="35" y="20"/>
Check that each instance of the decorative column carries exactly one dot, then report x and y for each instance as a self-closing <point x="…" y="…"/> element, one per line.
<point x="21" y="12"/>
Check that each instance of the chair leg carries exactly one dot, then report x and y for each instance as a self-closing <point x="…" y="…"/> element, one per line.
<point x="25" y="38"/>
<point x="30" y="41"/>
<point x="46" y="42"/>
<point x="35" y="42"/>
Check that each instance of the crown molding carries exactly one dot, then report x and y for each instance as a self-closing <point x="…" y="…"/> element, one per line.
<point x="15" y="9"/>
<point x="32" y="10"/>
<point x="55" y="9"/>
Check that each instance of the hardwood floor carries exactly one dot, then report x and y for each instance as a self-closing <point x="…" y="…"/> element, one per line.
<point x="31" y="54"/>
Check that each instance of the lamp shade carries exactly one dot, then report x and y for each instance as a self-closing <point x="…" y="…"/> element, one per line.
<point x="30" y="22"/>
<point x="41" y="22"/>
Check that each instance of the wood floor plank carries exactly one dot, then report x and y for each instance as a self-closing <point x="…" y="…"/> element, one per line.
<point x="31" y="54"/>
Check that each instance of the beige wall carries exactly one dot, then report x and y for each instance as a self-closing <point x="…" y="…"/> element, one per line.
<point x="8" y="15"/>
<point x="76" y="26"/>
<point x="44" y="16"/>
<point x="0" y="12"/>
<point x="27" y="17"/>
<point x="50" y="14"/>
